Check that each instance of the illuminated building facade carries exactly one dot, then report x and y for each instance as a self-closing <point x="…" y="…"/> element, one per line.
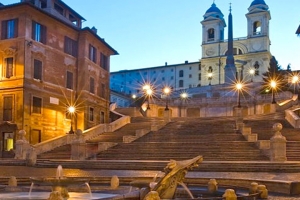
<point x="48" y="62"/>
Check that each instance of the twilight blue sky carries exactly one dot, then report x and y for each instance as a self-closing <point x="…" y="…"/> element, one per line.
<point x="148" y="33"/>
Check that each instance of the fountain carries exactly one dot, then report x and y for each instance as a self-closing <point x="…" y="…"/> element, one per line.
<point x="59" y="184"/>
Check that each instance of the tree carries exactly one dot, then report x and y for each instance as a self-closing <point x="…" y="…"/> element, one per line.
<point x="274" y="73"/>
<point x="289" y="68"/>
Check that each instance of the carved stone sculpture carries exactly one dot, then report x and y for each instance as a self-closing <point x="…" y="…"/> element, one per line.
<point x="175" y="172"/>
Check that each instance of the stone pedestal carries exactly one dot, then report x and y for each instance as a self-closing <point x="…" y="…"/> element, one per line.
<point x="278" y="144"/>
<point x="22" y="146"/>
<point x="230" y="195"/>
<point x="78" y="151"/>
<point x="148" y="113"/>
<point x="167" y="115"/>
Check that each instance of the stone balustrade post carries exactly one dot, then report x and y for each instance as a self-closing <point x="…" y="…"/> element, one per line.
<point x="167" y="116"/>
<point x="22" y="146"/>
<point x="278" y="144"/>
<point x="78" y="147"/>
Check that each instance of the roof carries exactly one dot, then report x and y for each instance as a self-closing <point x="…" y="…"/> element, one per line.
<point x="99" y="38"/>
<point x="157" y="67"/>
<point x="62" y="21"/>
<point x="213" y="11"/>
<point x="257" y="2"/>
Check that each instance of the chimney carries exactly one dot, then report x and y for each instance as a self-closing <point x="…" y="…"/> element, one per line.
<point x="166" y="63"/>
<point x="94" y="29"/>
<point x="186" y="62"/>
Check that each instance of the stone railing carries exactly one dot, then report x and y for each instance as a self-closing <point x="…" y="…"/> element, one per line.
<point x="292" y="118"/>
<point x="87" y="134"/>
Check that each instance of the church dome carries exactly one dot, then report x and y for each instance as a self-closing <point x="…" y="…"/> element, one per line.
<point x="257" y="2"/>
<point x="260" y="4"/>
<point x="213" y="11"/>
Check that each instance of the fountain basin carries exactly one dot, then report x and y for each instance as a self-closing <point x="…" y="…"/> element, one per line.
<point x="63" y="181"/>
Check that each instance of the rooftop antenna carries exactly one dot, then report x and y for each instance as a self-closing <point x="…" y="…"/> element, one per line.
<point x="230" y="7"/>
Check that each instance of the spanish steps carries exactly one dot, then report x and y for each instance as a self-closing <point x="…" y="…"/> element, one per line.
<point x="222" y="147"/>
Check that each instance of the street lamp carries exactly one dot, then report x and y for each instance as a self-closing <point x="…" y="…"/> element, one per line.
<point x="167" y="91"/>
<point x="251" y="72"/>
<point x="71" y="110"/>
<point x="210" y="77"/>
<point x="239" y="87"/>
<point x="273" y="85"/>
<point x="295" y="80"/>
<point x="148" y="92"/>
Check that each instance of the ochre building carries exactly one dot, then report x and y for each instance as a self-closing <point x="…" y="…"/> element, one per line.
<point x="48" y="63"/>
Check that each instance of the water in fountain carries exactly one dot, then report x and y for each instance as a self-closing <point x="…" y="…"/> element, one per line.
<point x="59" y="172"/>
<point x="186" y="189"/>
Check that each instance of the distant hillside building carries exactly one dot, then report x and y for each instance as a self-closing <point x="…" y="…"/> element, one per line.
<point x="48" y="63"/>
<point x="251" y="54"/>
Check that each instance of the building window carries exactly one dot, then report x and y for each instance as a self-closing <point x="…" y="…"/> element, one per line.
<point x="92" y="53"/>
<point x="69" y="81"/>
<point x="91" y="114"/>
<point x="256" y="67"/>
<point x="162" y="71"/>
<point x="7" y="108"/>
<point x="199" y="77"/>
<point x="71" y="46"/>
<point x="92" y="85"/>
<point x="36" y="105"/>
<point x="163" y="78"/>
<point x="180" y="83"/>
<point x="103" y="61"/>
<point x="257" y="28"/>
<point x="190" y="68"/>
<point x="37" y="69"/>
<point x="181" y="73"/>
<point x="172" y="77"/>
<point x="59" y="9"/>
<point x="172" y="70"/>
<point x="9" y="29"/>
<point x="9" y="67"/>
<point x="199" y="66"/>
<point x="102" y="118"/>
<point x="102" y="94"/>
<point x="211" y="34"/>
<point x="39" y="32"/>
<point x="190" y="75"/>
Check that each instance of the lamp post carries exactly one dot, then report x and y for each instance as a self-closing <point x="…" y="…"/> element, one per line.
<point x="239" y="87"/>
<point x="273" y="85"/>
<point x="167" y="91"/>
<point x="251" y="72"/>
<point x="71" y="110"/>
<point x="183" y="97"/>
<point x="147" y="91"/>
<point x="210" y="77"/>
<point x="295" y="80"/>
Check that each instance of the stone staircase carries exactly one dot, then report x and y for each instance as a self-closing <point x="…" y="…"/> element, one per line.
<point x="213" y="138"/>
<point x="111" y="138"/>
<point x="262" y="126"/>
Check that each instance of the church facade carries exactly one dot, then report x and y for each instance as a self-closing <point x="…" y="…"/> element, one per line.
<point x="251" y="53"/>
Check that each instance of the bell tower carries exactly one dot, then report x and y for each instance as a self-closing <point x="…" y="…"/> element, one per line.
<point x="213" y="25"/>
<point x="258" y="19"/>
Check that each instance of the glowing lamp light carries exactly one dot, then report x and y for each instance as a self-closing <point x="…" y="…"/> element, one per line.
<point x="295" y="79"/>
<point x="273" y="84"/>
<point x="71" y="109"/>
<point x="167" y="90"/>
<point x="239" y="86"/>
<point x="251" y="71"/>
<point x="134" y="96"/>
<point x="146" y="87"/>
<point x="184" y="95"/>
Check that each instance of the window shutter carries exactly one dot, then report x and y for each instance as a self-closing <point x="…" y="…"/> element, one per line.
<point x="16" y="28"/>
<point x="4" y="30"/>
